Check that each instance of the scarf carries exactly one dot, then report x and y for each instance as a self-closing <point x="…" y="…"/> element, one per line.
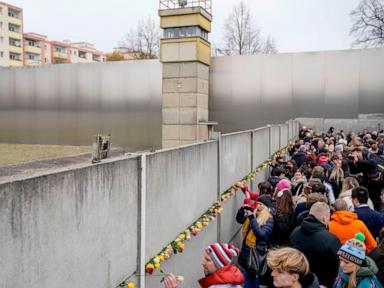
<point x="250" y="241"/>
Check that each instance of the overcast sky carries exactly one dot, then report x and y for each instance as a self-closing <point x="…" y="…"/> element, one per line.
<point x="296" y="25"/>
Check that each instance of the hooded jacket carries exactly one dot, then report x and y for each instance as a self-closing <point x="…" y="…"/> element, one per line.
<point x="310" y="281"/>
<point x="320" y="247"/>
<point x="365" y="277"/>
<point x="345" y="225"/>
<point x="378" y="256"/>
<point x="227" y="277"/>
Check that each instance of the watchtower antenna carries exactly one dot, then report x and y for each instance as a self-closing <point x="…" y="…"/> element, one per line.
<point x="179" y="4"/>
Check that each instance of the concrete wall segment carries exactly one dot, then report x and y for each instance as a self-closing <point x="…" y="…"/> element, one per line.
<point x="236" y="158"/>
<point x="181" y="185"/>
<point x="72" y="228"/>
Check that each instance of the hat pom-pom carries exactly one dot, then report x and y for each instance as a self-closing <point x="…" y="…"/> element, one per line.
<point x="360" y="236"/>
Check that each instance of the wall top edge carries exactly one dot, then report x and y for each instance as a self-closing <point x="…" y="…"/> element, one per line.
<point x="57" y="171"/>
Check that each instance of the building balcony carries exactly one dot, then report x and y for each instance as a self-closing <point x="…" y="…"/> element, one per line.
<point x="15" y="21"/>
<point x="82" y="60"/>
<point x="60" y="55"/>
<point x="32" y="49"/>
<point x="16" y="35"/>
<point x="15" y="49"/>
<point x="30" y="62"/>
<point x="15" y="63"/>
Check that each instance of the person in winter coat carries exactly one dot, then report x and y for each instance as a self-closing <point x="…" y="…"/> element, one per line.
<point x="378" y="256"/>
<point x="356" y="270"/>
<point x="218" y="270"/>
<point x="346" y="192"/>
<point x="345" y="225"/>
<point x="257" y="228"/>
<point x="374" y="185"/>
<point x="382" y="204"/>
<point x="282" y="227"/>
<point x="318" y="244"/>
<point x="371" y="218"/>
<point x="290" y="269"/>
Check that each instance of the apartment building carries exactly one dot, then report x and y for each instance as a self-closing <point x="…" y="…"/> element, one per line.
<point x="83" y="52"/>
<point x="37" y="49"/>
<point x="30" y="49"/>
<point x="11" y="35"/>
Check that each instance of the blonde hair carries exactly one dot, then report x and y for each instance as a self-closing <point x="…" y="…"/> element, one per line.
<point x="349" y="183"/>
<point x="337" y="174"/>
<point x="263" y="216"/>
<point x="352" y="281"/>
<point x="288" y="260"/>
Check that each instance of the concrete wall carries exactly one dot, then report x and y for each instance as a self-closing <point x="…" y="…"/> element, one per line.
<point x="75" y="228"/>
<point x="68" y="104"/>
<point x="373" y="122"/>
<point x="252" y="91"/>
<point x="94" y="225"/>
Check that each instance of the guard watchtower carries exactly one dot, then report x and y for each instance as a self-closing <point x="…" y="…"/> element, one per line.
<point x="185" y="52"/>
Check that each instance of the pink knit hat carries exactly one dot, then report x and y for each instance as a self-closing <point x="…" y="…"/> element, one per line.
<point x="283" y="184"/>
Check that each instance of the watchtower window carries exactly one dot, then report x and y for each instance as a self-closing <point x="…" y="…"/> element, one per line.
<point x="182" y="32"/>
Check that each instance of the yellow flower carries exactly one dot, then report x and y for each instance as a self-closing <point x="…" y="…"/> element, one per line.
<point x="157" y="265"/>
<point x="131" y="285"/>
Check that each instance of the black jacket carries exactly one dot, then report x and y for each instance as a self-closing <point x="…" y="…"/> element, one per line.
<point x="310" y="281"/>
<point x="374" y="188"/>
<point x="282" y="228"/>
<point x="320" y="247"/>
<point x="378" y="256"/>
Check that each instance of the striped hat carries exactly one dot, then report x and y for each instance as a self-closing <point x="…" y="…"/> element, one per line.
<point x="222" y="253"/>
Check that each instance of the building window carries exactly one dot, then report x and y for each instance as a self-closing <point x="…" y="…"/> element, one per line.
<point x="14" y="42"/>
<point x="1" y="25"/>
<point x="33" y="43"/>
<point x="14" y="28"/>
<point x="1" y="39"/>
<point x="183" y="32"/>
<point x="13" y="13"/>
<point x="1" y="54"/>
<point x="60" y="50"/>
<point x="83" y="54"/>
<point x="14" y="56"/>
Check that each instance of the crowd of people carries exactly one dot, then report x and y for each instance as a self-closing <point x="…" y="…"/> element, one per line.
<point x="317" y="222"/>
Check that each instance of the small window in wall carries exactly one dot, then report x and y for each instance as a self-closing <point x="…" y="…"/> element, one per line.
<point x="1" y="54"/>
<point x="1" y="39"/>
<point x="1" y="25"/>
<point x="182" y="32"/>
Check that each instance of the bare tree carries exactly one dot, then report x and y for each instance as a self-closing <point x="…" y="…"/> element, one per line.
<point x="242" y="36"/>
<point x="269" y="46"/>
<point x="144" y="40"/>
<point x="368" y="24"/>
